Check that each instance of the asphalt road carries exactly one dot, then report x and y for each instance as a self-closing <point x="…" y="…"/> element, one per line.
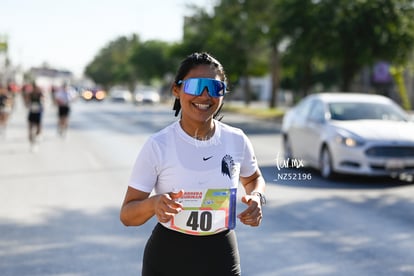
<point x="59" y="206"/>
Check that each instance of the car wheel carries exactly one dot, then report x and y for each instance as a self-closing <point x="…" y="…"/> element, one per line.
<point x="325" y="164"/>
<point x="287" y="148"/>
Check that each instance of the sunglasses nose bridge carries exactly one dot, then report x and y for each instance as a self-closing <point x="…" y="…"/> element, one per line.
<point x="205" y="91"/>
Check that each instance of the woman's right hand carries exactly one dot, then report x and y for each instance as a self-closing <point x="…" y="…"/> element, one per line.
<point x="166" y="206"/>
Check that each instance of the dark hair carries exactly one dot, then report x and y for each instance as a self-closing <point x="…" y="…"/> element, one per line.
<point x="192" y="61"/>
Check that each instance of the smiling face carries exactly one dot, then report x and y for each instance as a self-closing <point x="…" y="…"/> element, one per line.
<point x="198" y="111"/>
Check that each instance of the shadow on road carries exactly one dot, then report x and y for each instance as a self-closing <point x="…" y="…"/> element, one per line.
<point x="332" y="236"/>
<point x="310" y="178"/>
<point x="300" y="238"/>
<point x="71" y="242"/>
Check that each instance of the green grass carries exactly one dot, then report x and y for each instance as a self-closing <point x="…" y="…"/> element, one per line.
<point x="259" y="112"/>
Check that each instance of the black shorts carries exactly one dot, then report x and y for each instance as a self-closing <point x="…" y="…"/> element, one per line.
<point x="35" y="118"/>
<point x="169" y="252"/>
<point x="63" y="111"/>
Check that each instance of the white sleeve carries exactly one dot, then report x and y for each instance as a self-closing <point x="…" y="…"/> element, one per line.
<point x="249" y="164"/>
<point x="145" y="173"/>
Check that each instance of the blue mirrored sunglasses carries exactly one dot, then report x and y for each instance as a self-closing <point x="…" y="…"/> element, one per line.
<point x="196" y="86"/>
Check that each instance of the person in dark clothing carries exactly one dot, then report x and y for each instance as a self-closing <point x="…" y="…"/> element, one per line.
<point x="35" y="104"/>
<point x="63" y="98"/>
<point x="6" y="105"/>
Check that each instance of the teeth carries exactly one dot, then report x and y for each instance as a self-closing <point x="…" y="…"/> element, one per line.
<point x="202" y="106"/>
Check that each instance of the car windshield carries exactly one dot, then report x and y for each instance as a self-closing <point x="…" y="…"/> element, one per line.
<point x="346" y="111"/>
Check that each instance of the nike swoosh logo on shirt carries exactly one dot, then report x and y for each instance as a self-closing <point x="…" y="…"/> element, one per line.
<point x="206" y="158"/>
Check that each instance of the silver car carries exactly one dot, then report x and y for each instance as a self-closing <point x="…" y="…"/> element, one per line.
<point x="120" y="94"/>
<point x="350" y="133"/>
<point x="148" y="94"/>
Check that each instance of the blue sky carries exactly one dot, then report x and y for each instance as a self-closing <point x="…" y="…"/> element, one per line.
<point x="67" y="34"/>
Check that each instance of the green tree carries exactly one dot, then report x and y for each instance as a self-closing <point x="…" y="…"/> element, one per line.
<point x="358" y="33"/>
<point x="328" y="41"/>
<point x="333" y="40"/>
<point x="112" y="64"/>
<point x="233" y="34"/>
<point x="302" y="26"/>
<point x="151" y="60"/>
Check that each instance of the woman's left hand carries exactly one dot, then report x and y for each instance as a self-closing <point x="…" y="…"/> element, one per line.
<point x="253" y="214"/>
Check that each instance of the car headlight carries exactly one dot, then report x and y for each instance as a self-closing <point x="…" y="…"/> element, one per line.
<point x="100" y="95"/>
<point x="87" y="95"/>
<point x="349" y="140"/>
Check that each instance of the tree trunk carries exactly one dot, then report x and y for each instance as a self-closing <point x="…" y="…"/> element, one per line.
<point x="275" y="74"/>
<point x="247" y="91"/>
<point x="348" y="73"/>
<point x="306" y="81"/>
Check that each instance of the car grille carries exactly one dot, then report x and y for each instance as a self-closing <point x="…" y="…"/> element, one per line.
<point x="390" y="151"/>
<point x="384" y="168"/>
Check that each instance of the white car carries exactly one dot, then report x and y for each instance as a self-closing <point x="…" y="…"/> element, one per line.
<point x="147" y="95"/>
<point x="350" y="133"/>
<point x="120" y="94"/>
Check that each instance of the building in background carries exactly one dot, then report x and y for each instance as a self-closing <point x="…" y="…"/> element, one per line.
<point x="46" y="77"/>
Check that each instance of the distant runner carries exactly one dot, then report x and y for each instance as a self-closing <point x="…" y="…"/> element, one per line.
<point x="34" y="101"/>
<point x="6" y="106"/>
<point x="63" y="98"/>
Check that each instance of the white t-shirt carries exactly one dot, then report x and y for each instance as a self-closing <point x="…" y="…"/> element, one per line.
<point x="64" y="97"/>
<point x="171" y="160"/>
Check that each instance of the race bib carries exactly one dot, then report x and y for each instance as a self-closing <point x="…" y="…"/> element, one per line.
<point x="205" y="212"/>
